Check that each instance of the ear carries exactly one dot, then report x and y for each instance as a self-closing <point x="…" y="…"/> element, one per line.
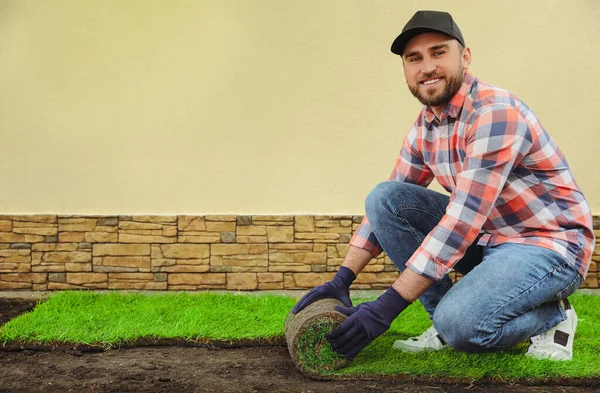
<point x="466" y="58"/>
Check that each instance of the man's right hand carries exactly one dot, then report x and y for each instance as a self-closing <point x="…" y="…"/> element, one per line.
<point x="338" y="288"/>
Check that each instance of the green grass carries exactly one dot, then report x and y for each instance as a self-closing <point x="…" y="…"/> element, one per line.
<point x="117" y="318"/>
<point x="114" y="319"/>
<point x="314" y="351"/>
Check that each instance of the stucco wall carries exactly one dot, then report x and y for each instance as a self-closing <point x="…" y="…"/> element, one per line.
<point x="255" y="107"/>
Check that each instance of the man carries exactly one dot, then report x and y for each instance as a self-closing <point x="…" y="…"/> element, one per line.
<point x="516" y="224"/>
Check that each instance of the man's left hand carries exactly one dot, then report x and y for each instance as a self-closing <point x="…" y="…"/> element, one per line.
<point x="365" y="323"/>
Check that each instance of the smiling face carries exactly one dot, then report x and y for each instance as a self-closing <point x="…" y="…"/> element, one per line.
<point x="434" y="68"/>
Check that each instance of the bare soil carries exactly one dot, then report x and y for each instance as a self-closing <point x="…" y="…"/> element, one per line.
<point x="194" y="369"/>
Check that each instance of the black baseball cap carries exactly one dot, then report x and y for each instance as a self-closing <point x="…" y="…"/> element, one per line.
<point x="424" y="22"/>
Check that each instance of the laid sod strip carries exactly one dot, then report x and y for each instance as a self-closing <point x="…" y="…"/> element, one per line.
<point x="114" y="319"/>
<point x="381" y="359"/>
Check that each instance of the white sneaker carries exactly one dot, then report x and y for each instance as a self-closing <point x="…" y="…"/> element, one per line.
<point x="556" y="343"/>
<point x="429" y="341"/>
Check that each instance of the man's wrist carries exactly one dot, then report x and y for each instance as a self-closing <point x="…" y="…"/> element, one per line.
<point x="393" y="303"/>
<point x="346" y="275"/>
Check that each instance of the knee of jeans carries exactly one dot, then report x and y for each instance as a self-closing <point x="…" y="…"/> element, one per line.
<point x="459" y="331"/>
<point x="377" y="200"/>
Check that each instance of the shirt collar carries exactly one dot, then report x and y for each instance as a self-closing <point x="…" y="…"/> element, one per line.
<point x="453" y="107"/>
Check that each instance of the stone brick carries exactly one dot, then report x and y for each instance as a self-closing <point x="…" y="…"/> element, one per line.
<point x="108" y="221"/>
<point x="304" y="224"/>
<point x="270" y="277"/>
<point x="121" y="249"/>
<point x="62" y="286"/>
<point x="591" y="280"/>
<point x="373" y="269"/>
<point x="9" y="285"/>
<point x="42" y="218"/>
<point x="221" y="269"/>
<point x="57" y="277"/>
<point x="220" y="226"/>
<point x="115" y="269"/>
<point x="377" y="280"/>
<point x="229" y="218"/>
<point x="67" y="257"/>
<point x="37" y="278"/>
<point x="318" y="268"/>
<point x="252" y="230"/>
<point x="244" y="220"/>
<point x="288" y="281"/>
<point x="227" y="237"/>
<point x="39" y="287"/>
<point x="251" y="239"/>
<point x="249" y="269"/>
<point x="15" y="256"/>
<point x="78" y="267"/>
<point x="26" y="228"/>
<point x="48" y="268"/>
<point x="9" y="237"/>
<point x="292" y="247"/>
<point x="280" y="234"/>
<point x="338" y="250"/>
<point x="238" y="249"/>
<point x="310" y="280"/>
<point x="199" y="237"/>
<point x="270" y="285"/>
<point x="239" y="260"/>
<point x="160" y="277"/>
<point x="127" y="238"/>
<point x="71" y="237"/>
<point x="289" y="268"/>
<point x="357" y="219"/>
<point x="185" y="251"/>
<point x="169" y="230"/>
<point x="124" y="261"/>
<point x="54" y="247"/>
<point x="125" y="226"/>
<point x="345" y="238"/>
<point x="86" y="278"/>
<point x="182" y="268"/>
<point x="197" y="279"/>
<point x="318" y="237"/>
<point x="101" y="237"/>
<point x="298" y="257"/>
<point x="242" y="281"/>
<point x="333" y="223"/>
<point x="156" y="286"/>
<point x="155" y="219"/>
<point x="76" y="224"/>
<point x="106" y="228"/>
<point x="84" y="246"/>
<point x="5" y="226"/>
<point x="281" y="219"/>
<point x="130" y="277"/>
<point x="191" y="223"/>
<point x="319" y="247"/>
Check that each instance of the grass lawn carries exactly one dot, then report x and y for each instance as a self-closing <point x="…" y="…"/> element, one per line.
<point x="115" y="319"/>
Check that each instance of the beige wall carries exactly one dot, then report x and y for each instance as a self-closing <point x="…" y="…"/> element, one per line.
<point x="255" y="107"/>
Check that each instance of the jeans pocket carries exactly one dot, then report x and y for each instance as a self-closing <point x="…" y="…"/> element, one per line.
<point x="570" y="288"/>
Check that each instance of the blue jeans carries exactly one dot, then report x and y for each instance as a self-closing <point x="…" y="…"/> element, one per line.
<point x="509" y="292"/>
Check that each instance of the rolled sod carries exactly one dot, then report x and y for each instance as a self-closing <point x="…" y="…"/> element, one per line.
<point x="306" y="334"/>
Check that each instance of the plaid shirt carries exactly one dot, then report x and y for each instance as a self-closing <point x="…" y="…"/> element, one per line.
<point x="508" y="181"/>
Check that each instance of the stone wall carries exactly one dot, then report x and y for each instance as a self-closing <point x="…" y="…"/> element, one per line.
<point x="54" y="252"/>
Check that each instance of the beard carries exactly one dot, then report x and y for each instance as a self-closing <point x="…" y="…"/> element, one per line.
<point x="429" y="96"/>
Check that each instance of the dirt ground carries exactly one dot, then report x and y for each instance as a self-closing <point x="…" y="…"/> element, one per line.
<point x="189" y="369"/>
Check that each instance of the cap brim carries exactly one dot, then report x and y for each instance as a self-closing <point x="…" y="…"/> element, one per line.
<point x="401" y="41"/>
